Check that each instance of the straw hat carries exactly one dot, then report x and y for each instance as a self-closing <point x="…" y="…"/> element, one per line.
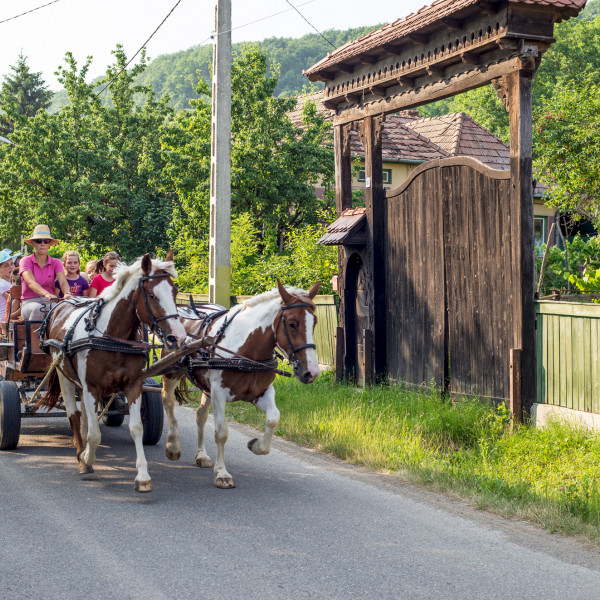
<point x="7" y="254"/>
<point x="41" y="232"/>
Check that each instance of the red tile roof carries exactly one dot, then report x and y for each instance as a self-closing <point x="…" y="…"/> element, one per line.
<point x="424" y="17"/>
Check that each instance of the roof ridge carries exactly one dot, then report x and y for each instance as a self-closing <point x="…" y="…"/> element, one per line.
<point x="458" y="133"/>
<point x="424" y="138"/>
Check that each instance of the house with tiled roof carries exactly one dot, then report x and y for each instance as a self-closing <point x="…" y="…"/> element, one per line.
<point x="409" y="140"/>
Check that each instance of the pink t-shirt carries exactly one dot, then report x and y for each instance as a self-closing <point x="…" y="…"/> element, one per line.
<point x="100" y="283"/>
<point x="44" y="276"/>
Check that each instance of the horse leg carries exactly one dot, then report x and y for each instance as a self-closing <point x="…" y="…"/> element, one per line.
<point x="173" y="449"/>
<point x="266" y="403"/>
<point x="222" y="478"/>
<point x="202" y="458"/>
<point x="68" y="395"/>
<point x="143" y="482"/>
<point x="88" y="456"/>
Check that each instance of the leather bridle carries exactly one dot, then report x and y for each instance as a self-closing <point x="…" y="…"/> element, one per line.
<point x="154" y="320"/>
<point x="293" y="349"/>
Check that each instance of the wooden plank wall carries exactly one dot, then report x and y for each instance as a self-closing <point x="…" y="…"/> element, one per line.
<point x="327" y="321"/>
<point x="567" y="356"/>
<point x="448" y="279"/>
<point x="415" y="282"/>
<point x="477" y="232"/>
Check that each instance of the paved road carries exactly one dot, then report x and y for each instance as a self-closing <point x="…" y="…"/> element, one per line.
<point x="299" y="525"/>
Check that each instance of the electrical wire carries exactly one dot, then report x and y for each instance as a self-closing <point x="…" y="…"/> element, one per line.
<point x="296" y="9"/>
<point x="281" y="12"/>
<point x="29" y="11"/>
<point x="139" y="49"/>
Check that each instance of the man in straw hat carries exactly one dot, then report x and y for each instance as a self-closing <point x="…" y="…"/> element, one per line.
<point x="38" y="273"/>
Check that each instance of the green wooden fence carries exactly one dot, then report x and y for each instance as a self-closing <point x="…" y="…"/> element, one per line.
<point x="324" y="331"/>
<point x="568" y="370"/>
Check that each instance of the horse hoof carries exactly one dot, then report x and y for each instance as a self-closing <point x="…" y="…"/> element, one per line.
<point x="224" y="483"/>
<point x="172" y="455"/>
<point x="85" y="469"/>
<point x="143" y="486"/>
<point x="251" y="443"/>
<point x="204" y="462"/>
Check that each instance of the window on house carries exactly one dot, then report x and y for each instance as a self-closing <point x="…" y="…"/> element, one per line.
<point x="387" y="176"/>
<point x="539" y="232"/>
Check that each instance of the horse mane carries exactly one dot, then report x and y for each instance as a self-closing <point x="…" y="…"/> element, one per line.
<point x="274" y="294"/>
<point x="126" y="273"/>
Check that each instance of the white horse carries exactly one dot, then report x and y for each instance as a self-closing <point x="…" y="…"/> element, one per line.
<point x="252" y="330"/>
<point x="99" y="345"/>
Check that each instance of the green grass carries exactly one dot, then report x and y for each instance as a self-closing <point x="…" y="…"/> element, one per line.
<point x="464" y="448"/>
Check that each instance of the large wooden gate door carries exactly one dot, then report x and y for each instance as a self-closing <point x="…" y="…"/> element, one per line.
<point x="448" y="273"/>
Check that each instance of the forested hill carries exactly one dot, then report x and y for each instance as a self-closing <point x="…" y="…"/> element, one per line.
<point x="175" y="74"/>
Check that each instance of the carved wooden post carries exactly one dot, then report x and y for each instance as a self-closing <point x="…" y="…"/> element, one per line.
<point x="518" y="87"/>
<point x="343" y="200"/>
<point x="376" y="220"/>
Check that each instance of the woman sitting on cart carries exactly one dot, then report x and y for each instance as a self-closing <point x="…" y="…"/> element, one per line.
<point x="38" y="274"/>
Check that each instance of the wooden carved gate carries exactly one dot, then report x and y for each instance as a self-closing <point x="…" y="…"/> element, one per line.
<point x="449" y="293"/>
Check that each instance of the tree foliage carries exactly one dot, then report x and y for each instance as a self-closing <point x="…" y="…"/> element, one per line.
<point x="275" y="166"/>
<point x="22" y="94"/>
<point x="568" y="142"/>
<point x="89" y="171"/>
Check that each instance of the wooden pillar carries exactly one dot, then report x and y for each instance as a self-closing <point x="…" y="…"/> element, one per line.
<point x="376" y="219"/>
<point x="343" y="200"/>
<point x="343" y="168"/>
<point x="518" y="87"/>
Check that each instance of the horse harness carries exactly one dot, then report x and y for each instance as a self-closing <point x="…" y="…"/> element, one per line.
<point x="206" y="358"/>
<point x="107" y="343"/>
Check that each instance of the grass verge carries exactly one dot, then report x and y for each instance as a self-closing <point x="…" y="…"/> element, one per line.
<point x="549" y="477"/>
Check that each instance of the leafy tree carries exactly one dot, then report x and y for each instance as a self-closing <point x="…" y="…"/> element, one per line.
<point x="274" y="164"/>
<point x="568" y="143"/>
<point x="22" y="95"/>
<point x="90" y="170"/>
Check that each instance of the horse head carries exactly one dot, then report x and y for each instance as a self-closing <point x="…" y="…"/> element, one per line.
<point x="155" y="304"/>
<point x="294" y="329"/>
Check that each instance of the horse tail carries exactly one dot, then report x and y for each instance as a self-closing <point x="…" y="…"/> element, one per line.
<point x="50" y="398"/>
<point x="182" y="392"/>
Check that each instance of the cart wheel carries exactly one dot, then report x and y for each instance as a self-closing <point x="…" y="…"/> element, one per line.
<point x="152" y="414"/>
<point x="10" y="415"/>
<point x="114" y="420"/>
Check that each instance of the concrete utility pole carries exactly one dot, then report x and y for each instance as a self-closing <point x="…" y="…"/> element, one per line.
<point x="220" y="161"/>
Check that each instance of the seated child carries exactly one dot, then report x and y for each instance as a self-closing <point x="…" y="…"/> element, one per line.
<point x="78" y="285"/>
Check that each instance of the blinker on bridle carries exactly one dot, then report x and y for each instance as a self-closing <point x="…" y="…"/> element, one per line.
<point x="293" y="349"/>
<point x="154" y="320"/>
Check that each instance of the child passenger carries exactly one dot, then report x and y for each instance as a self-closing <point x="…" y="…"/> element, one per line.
<point x="90" y="269"/>
<point x="77" y="283"/>
<point x="104" y="270"/>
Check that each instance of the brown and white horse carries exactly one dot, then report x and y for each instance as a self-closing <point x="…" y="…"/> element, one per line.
<point x="142" y="293"/>
<point x="281" y="318"/>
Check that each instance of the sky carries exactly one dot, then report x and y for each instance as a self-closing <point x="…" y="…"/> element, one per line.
<point x="94" y="27"/>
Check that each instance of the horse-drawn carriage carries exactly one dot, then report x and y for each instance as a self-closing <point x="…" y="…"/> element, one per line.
<point x="87" y="351"/>
<point x="23" y="367"/>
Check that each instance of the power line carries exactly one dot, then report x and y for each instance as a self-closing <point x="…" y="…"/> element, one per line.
<point x="296" y="9"/>
<point x="256" y="21"/>
<point x="29" y="11"/>
<point x="139" y="49"/>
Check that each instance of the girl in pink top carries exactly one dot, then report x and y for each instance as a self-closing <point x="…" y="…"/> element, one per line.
<point x="104" y="277"/>
<point x="38" y="273"/>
